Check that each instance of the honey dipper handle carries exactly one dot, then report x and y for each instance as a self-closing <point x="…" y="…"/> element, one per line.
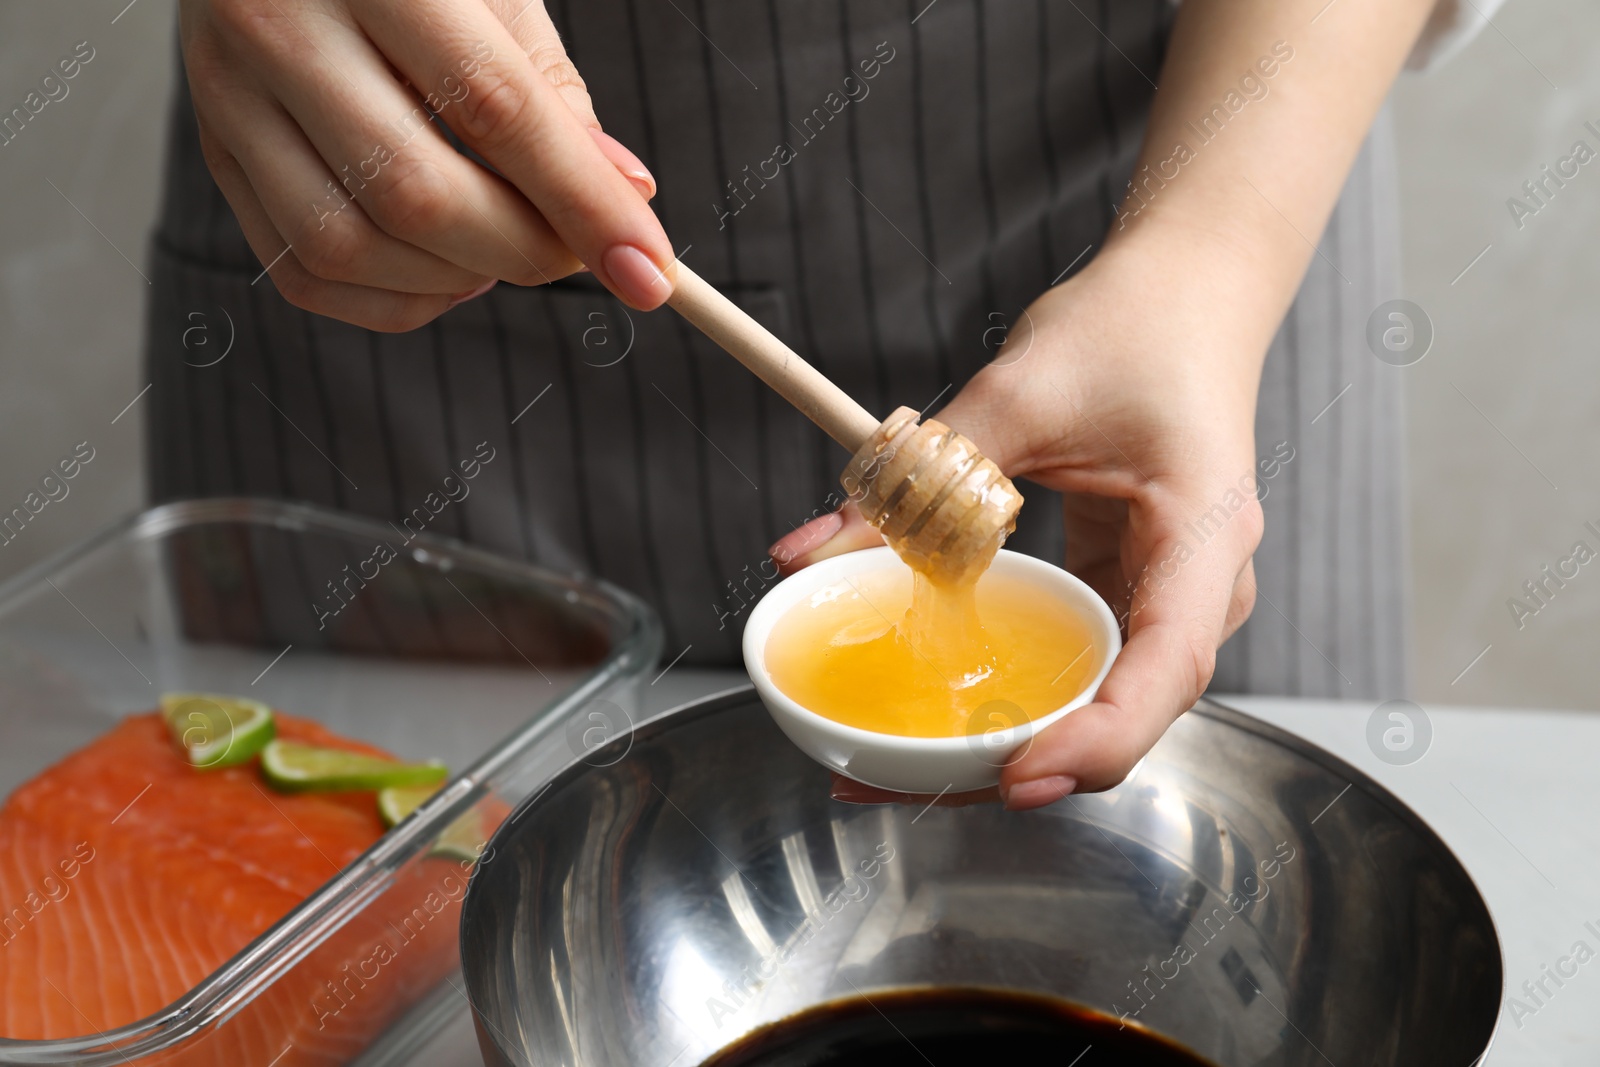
<point x="774" y="362"/>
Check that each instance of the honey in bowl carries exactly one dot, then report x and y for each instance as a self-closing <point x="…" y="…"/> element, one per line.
<point x="895" y="652"/>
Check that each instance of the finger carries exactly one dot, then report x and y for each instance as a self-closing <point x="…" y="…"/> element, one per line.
<point x="382" y="144"/>
<point x="626" y="162"/>
<point x="1174" y="631"/>
<point x="330" y="234"/>
<point x="374" y="309"/>
<point x="516" y="118"/>
<point x="850" y="791"/>
<point x="822" y="538"/>
<point x="1095" y="747"/>
<point x="529" y="22"/>
<point x="530" y="25"/>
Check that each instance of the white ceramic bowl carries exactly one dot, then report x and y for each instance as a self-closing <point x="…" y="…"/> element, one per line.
<point x="916" y="764"/>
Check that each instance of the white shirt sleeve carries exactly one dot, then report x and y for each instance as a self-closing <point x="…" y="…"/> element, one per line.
<point x="1451" y="25"/>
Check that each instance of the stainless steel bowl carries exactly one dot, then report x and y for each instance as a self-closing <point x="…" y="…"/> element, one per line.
<point x="1243" y="893"/>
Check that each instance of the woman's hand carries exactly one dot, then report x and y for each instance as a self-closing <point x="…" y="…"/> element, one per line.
<point x="317" y="120"/>
<point x="1129" y="390"/>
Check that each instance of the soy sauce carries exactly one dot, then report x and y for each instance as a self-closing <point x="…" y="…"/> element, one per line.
<point x="951" y="1028"/>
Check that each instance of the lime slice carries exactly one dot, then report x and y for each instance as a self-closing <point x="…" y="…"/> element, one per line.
<point x="398" y="801"/>
<point x="295" y="768"/>
<point x="216" y="730"/>
<point x="461" y="840"/>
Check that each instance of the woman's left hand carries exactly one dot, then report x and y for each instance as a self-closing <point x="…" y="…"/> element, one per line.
<point x="1129" y="390"/>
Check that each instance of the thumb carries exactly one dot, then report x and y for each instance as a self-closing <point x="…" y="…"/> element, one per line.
<point x="1178" y="616"/>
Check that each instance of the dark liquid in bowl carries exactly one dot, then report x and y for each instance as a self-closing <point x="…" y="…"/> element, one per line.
<point x="950" y="1028"/>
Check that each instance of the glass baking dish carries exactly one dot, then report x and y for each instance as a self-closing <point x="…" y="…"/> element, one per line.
<point x="433" y="649"/>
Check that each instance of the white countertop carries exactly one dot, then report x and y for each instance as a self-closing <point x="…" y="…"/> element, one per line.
<point x="1516" y="794"/>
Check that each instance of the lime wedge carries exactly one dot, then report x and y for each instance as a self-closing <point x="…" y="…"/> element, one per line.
<point x="398" y="801"/>
<point x="216" y="730"/>
<point x="295" y="768"/>
<point x="461" y="840"/>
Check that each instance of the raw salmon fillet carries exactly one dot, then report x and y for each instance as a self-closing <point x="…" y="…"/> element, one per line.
<point x="128" y="876"/>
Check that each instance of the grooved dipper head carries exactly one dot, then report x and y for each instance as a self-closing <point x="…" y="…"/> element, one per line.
<point x="940" y="504"/>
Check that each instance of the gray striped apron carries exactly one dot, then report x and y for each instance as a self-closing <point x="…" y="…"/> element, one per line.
<point x="904" y="218"/>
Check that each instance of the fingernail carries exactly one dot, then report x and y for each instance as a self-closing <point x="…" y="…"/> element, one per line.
<point x="638" y="280"/>
<point x="808" y="538"/>
<point x="625" y="161"/>
<point x="479" y="291"/>
<point x="1036" y="794"/>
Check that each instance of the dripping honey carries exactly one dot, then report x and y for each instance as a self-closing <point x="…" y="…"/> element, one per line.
<point x="896" y="652"/>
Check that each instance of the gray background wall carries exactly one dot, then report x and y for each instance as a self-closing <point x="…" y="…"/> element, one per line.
<point x="1505" y="408"/>
<point x="1498" y="494"/>
<point x="71" y="311"/>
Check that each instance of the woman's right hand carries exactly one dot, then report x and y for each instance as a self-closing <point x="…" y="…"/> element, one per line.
<point x="315" y="120"/>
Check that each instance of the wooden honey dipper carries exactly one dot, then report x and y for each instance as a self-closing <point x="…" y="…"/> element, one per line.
<point x="943" y="506"/>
